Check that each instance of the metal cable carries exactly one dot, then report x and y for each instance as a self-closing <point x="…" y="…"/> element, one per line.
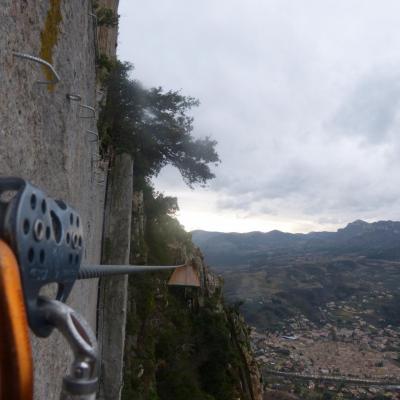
<point x="98" y="271"/>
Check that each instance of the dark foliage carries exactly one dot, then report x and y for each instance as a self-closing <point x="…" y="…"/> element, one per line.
<point x="161" y="225"/>
<point x="106" y="17"/>
<point x="155" y="127"/>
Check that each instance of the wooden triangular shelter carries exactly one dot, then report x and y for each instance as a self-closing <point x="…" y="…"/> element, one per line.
<point x="185" y="276"/>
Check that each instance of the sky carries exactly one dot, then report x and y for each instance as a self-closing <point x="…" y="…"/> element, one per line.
<point x="303" y="97"/>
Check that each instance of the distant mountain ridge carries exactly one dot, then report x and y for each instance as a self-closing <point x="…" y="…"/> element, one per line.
<point x="379" y="240"/>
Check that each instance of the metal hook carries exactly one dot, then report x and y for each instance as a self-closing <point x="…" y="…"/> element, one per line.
<point x="88" y="108"/>
<point x="43" y="62"/>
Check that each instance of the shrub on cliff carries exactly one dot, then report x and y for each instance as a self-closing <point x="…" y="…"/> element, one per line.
<point x="154" y="125"/>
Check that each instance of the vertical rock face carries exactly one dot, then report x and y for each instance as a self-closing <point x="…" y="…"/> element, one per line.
<point x="138" y="245"/>
<point x="116" y="243"/>
<point x="250" y="375"/>
<point x="43" y="139"/>
<point x="113" y="291"/>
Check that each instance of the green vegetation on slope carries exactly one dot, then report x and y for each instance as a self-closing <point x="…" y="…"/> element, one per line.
<point x="180" y="343"/>
<point x="273" y="293"/>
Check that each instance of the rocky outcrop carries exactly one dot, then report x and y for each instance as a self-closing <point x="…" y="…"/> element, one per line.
<point x="108" y="34"/>
<point x="251" y="378"/>
<point x="183" y="338"/>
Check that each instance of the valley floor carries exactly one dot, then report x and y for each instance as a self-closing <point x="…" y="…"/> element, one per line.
<point x="359" y="351"/>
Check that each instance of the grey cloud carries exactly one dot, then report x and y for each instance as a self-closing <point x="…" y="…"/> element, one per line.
<point x="302" y="97"/>
<point x="303" y="186"/>
<point x="330" y="220"/>
<point x="370" y="110"/>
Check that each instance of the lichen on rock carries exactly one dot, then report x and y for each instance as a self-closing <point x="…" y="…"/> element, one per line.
<point x="49" y="35"/>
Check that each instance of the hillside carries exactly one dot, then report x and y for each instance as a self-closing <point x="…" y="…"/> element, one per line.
<point x="373" y="240"/>
<point x="278" y="274"/>
<point x="320" y="303"/>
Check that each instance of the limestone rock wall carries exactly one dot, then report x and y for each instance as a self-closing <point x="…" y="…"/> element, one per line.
<point x="250" y="375"/>
<point x="251" y="379"/>
<point x="116" y="243"/>
<point x="43" y="138"/>
<point x="138" y="245"/>
<point x="113" y="290"/>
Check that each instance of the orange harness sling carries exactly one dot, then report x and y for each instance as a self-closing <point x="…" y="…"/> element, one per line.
<point x="16" y="376"/>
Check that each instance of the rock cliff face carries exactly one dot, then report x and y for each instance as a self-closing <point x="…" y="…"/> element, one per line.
<point x="113" y="290"/>
<point x="183" y="342"/>
<point x="43" y="138"/>
<point x="116" y="233"/>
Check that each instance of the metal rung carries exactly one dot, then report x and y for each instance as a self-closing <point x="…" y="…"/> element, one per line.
<point x="95" y="157"/>
<point x="74" y="97"/>
<point x="96" y="43"/>
<point x="88" y="108"/>
<point x="94" y="16"/>
<point x="43" y="62"/>
<point x="94" y="134"/>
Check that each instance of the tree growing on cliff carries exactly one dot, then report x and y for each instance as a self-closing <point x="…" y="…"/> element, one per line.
<point x="154" y="125"/>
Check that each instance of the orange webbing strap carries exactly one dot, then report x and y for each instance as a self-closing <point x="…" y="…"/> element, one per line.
<point x="16" y="378"/>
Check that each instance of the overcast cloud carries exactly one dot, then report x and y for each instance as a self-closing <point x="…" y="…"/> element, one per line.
<point x="302" y="96"/>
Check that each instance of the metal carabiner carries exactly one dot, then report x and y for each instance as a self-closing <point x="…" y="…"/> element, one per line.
<point x="81" y="383"/>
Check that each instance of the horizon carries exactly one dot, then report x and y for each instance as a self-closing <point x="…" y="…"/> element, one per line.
<point x="294" y="233"/>
<point x="303" y="101"/>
